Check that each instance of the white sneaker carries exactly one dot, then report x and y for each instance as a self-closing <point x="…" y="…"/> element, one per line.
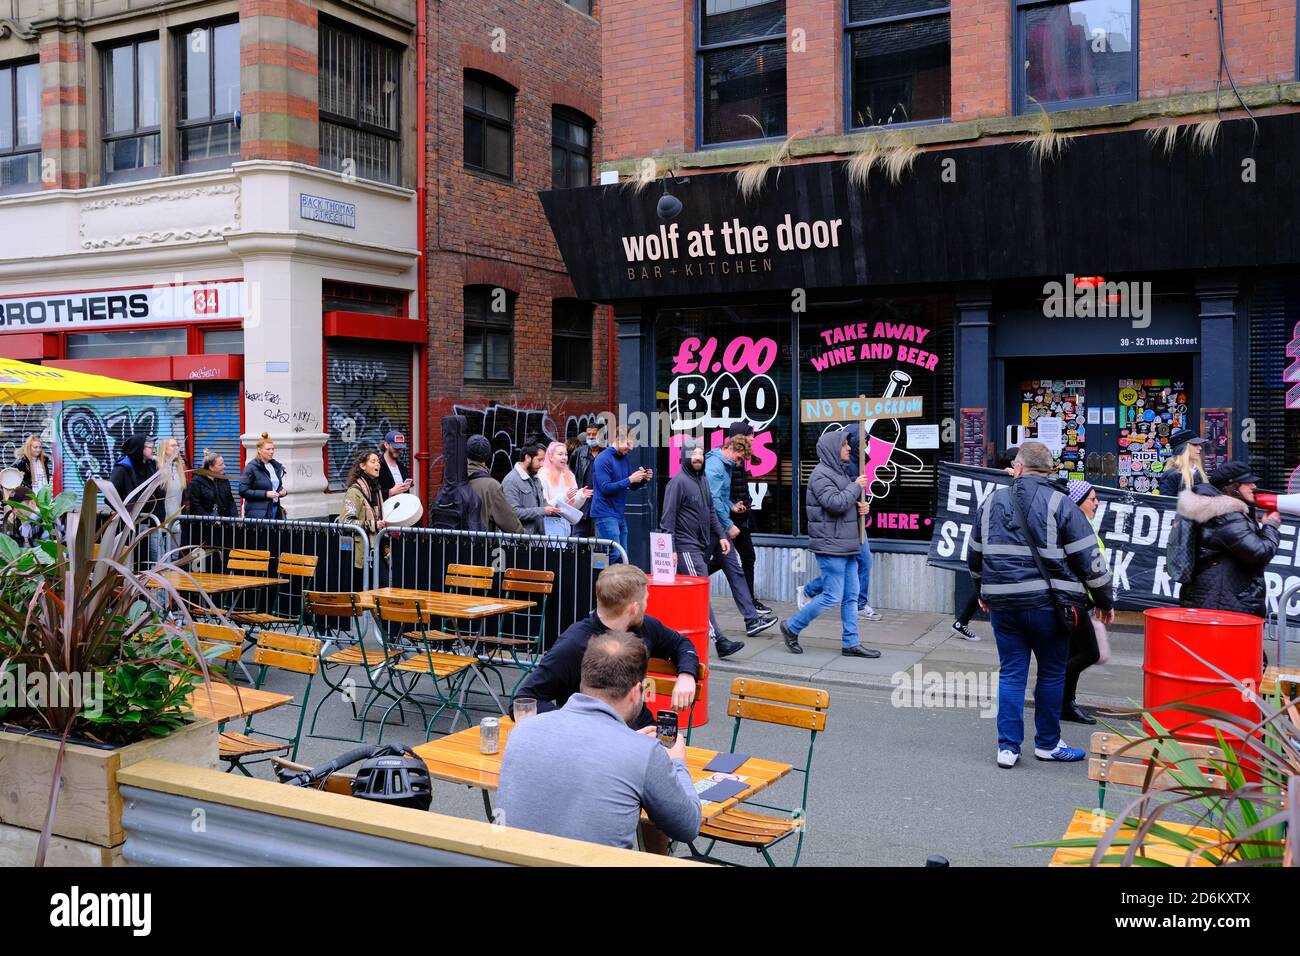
<point x="800" y="598"/>
<point x="868" y="613"/>
<point x="1008" y="759"/>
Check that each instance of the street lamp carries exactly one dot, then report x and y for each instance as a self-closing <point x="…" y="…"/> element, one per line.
<point x="669" y="206"/>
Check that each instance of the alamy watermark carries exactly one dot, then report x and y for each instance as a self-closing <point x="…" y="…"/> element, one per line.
<point x="921" y="688"/>
<point x="42" y="690"/>
<point x="1094" y="297"/>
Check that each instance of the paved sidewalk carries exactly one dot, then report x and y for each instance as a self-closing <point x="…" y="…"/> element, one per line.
<point x="907" y="639"/>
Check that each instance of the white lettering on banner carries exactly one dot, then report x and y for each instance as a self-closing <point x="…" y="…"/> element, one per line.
<point x="144" y="305"/>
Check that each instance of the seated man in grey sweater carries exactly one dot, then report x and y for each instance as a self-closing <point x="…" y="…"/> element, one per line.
<point x="582" y="772"/>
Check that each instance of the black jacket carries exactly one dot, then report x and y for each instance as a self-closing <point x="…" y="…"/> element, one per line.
<point x="254" y="483"/>
<point x="386" y="481"/>
<point x="558" y="674"/>
<point x="24" y="466"/>
<point x="133" y="470"/>
<point x="210" y="494"/>
<point x="1232" y="551"/>
<point x="688" y="513"/>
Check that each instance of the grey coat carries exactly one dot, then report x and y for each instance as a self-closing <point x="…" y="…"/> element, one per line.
<point x="525" y="496"/>
<point x="832" y="501"/>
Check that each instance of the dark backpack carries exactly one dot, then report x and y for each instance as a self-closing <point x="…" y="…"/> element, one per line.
<point x="1180" y="551"/>
<point x="457" y="506"/>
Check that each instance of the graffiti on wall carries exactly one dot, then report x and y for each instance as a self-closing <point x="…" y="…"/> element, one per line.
<point x="19" y="421"/>
<point x="92" y="434"/>
<point x="507" y="428"/>
<point x="364" y="405"/>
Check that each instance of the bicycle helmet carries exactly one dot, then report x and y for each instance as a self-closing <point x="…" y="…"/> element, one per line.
<point x="398" y="780"/>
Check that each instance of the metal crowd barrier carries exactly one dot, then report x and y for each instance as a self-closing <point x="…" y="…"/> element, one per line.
<point x="334" y="546"/>
<point x="419" y="558"/>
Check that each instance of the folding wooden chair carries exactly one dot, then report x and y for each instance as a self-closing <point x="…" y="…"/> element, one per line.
<point x="439" y="667"/>
<point x="459" y="579"/>
<point x="803" y="708"/>
<point x="331" y="613"/>
<point x="231" y="639"/>
<point x="662" y="674"/>
<point x="519" y="633"/>
<point x="301" y="566"/>
<point x="284" y="652"/>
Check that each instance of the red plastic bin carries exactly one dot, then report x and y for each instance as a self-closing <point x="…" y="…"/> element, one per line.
<point x="683" y="605"/>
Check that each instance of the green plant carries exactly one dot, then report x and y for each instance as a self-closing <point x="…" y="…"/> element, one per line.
<point x="72" y="609"/>
<point x="1249" y="817"/>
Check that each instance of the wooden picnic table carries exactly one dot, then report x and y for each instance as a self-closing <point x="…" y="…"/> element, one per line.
<point x="455" y="758"/>
<point x="227" y="702"/>
<point x="216" y="583"/>
<point x="462" y="607"/>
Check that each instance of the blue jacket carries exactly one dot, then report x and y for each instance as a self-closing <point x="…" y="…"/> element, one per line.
<point x="718" y="471"/>
<point x="1003" y="566"/>
<point x="609" y="480"/>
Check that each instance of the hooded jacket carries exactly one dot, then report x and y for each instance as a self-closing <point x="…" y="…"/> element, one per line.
<point x="1232" y="551"/>
<point x="832" y="501"/>
<point x="1003" y="566"/>
<point x="497" y="513"/>
<point x="719" y="472"/>
<point x="210" y="494"/>
<point x="132" y="471"/>
<point x="689" y="514"/>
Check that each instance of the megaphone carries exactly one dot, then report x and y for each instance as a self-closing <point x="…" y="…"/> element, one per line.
<point x="1285" y="504"/>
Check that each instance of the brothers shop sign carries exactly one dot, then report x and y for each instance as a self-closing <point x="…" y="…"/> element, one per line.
<point x="1133" y="527"/>
<point x="957" y="216"/>
<point x="144" y="305"/>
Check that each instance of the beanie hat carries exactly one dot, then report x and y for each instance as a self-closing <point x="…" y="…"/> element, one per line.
<point x="478" y="448"/>
<point x="1078" y="489"/>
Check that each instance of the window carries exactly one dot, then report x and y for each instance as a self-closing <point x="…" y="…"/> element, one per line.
<point x="223" y="342"/>
<point x="899" y="61"/>
<point x="489" y="334"/>
<point x="208" y="68"/>
<point x="1075" y="54"/>
<point x="582" y="6"/>
<point x="489" y="125"/>
<point x="360" y="94"/>
<point x="570" y="149"/>
<point x="571" y="343"/>
<point x="131" y="110"/>
<point x="20" y="127"/>
<point x="741" y="75"/>
<point x="352" y="297"/>
<point x="144" y="343"/>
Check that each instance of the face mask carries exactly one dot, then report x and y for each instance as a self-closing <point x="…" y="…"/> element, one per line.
<point x="592" y="442"/>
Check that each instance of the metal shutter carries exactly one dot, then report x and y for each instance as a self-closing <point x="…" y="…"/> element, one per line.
<point x="17" y="422"/>
<point x="91" y="432"/>
<point x="216" y="423"/>
<point x="367" y="393"/>
<point x="1275" y="452"/>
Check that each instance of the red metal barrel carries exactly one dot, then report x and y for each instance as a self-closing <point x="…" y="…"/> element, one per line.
<point x="1230" y="641"/>
<point x="683" y="605"/>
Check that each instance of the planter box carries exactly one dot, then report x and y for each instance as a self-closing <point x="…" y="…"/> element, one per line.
<point x="90" y="806"/>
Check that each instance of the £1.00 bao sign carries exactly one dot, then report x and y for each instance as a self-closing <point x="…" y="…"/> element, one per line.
<point x="146" y="305"/>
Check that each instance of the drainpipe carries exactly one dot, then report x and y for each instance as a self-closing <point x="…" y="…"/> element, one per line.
<point x="421" y="216"/>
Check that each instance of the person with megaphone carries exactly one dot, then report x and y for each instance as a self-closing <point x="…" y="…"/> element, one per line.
<point x="1232" y="547"/>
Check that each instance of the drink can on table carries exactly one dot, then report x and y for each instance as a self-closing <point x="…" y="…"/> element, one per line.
<point x="489" y="735"/>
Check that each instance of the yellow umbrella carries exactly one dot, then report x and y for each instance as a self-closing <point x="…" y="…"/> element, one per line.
<point x="22" y="383"/>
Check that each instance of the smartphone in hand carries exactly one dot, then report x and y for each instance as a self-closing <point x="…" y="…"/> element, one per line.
<point x="666" y="727"/>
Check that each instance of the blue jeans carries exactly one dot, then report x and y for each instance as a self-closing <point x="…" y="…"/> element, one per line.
<point x="840" y="586"/>
<point x="1018" y="633"/>
<point x="613" y="529"/>
<point x="814" y="587"/>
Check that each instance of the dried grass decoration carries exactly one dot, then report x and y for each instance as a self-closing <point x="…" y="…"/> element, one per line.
<point x="750" y="178"/>
<point x="894" y="153"/>
<point x="1047" y="143"/>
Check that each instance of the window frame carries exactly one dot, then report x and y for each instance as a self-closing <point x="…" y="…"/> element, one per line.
<point x="357" y="35"/>
<point x="483" y="116"/>
<point x="104" y="51"/>
<point x="700" y="50"/>
<point x="588" y="342"/>
<point x="183" y="126"/>
<point x="13" y="66"/>
<point x="575" y="118"/>
<point x="855" y="26"/>
<point x="1019" y="96"/>
<point x="485" y="325"/>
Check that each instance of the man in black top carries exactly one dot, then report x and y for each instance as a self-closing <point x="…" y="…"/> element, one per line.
<point x="620" y="606"/>
<point x="581" y="460"/>
<point x="741" y="504"/>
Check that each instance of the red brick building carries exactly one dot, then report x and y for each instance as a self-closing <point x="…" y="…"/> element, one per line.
<point x="1160" y="165"/>
<point x="513" y="108"/>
